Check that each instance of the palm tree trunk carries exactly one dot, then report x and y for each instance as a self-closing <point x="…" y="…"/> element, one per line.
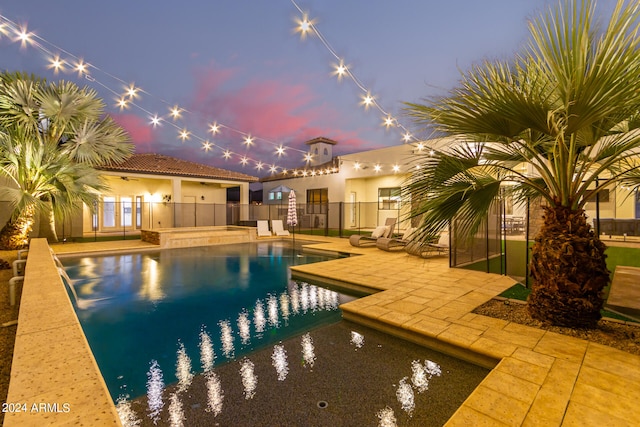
<point x="15" y="234"/>
<point x="47" y="224"/>
<point x="569" y="270"/>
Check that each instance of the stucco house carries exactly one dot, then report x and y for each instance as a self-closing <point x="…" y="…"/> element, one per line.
<point x="361" y="190"/>
<point x="150" y="191"/>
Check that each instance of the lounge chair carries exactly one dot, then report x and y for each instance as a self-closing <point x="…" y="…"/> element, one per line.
<point x="395" y="243"/>
<point x="278" y="229"/>
<point x="385" y="230"/>
<point x="442" y="246"/>
<point x="624" y="293"/>
<point x="263" y="228"/>
<point x="427" y="248"/>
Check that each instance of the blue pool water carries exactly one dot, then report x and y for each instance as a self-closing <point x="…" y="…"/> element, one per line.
<point x="141" y="307"/>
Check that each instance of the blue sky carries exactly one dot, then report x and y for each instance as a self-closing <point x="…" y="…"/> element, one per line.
<point x="240" y="63"/>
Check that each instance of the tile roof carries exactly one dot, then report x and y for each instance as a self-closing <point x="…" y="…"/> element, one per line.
<point x="158" y="164"/>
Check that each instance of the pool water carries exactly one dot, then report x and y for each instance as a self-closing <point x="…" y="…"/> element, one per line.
<point x="143" y="307"/>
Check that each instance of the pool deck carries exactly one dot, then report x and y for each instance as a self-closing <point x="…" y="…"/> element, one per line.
<point x="537" y="377"/>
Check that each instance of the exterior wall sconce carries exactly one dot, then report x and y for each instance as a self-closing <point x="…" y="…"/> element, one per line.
<point x="166" y="198"/>
<point x="201" y="197"/>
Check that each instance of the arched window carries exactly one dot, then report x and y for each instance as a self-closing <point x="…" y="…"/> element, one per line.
<point x="316" y="152"/>
<point x="326" y="152"/>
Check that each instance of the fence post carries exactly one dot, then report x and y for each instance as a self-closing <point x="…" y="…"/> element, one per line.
<point x="340" y="218"/>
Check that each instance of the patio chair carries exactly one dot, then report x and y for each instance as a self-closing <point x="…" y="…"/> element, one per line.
<point x="278" y="229"/>
<point x="385" y="230"/>
<point x="427" y="248"/>
<point x="263" y="228"/>
<point x="390" y="244"/>
<point x="442" y="246"/>
<point x="624" y="293"/>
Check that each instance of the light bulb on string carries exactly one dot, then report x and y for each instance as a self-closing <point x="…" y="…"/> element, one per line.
<point x="308" y="157"/>
<point x="226" y="154"/>
<point x="155" y="120"/>
<point x="23" y="37"/>
<point x="81" y="68"/>
<point x="388" y="122"/>
<point x="132" y="91"/>
<point x="214" y="128"/>
<point x="122" y="104"/>
<point x="340" y="70"/>
<point x="206" y="146"/>
<point x="259" y="165"/>
<point x="367" y="101"/>
<point x="377" y="168"/>
<point x="56" y="64"/>
<point x="184" y="135"/>
<point x="273" y="169"/>
<point x="244" y="161"/>
<point x="305" y="25"/>
<point x="280" y="150"/>
<point x="356" y="166"/>
<point x="396" y="168"/>
<point x="175" y="112"/>
<point x="406" y="137"/>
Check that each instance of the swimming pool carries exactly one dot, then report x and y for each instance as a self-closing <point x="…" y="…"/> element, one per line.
<point x="158" y="306"/>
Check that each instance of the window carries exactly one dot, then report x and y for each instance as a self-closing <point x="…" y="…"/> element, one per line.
<point x="389" y="198"/>
<point x="275" y="195"/>
<point x="326" y="152"/>
<point x="317" y="200"/>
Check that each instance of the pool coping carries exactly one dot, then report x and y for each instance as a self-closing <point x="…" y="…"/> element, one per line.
<point x="44" y="389"/>
<point x="538" y="377"/>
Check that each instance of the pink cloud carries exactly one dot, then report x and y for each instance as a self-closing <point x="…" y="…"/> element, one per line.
<point x="141" y="133"/>
<point x="273" y="109"/>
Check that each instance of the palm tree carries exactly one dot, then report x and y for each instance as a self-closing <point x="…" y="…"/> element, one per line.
<point x="567" y="108"/>
<point x="53" y="135"/>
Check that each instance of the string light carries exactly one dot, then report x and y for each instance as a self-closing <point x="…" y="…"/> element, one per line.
<point x="340" y="70"/>
<point x="356" y="166"/>
<point x="81" y="68"/>
<point x="56" y="64"/>
<point x="23" y="37"/>
<point x="122" y="104"/>
<point x="175" y="112"/>
<point x="185" y="135"/>
<point x="377" y="168"/>
<point x="131" y="92"/>
<point x="367" y="100"/>
<point x="306" y="25"/>
<point x="396" y="168"/>
<point x="155" y="120"/>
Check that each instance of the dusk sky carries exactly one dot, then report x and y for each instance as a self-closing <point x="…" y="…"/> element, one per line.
<point x="241" y="64"/>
